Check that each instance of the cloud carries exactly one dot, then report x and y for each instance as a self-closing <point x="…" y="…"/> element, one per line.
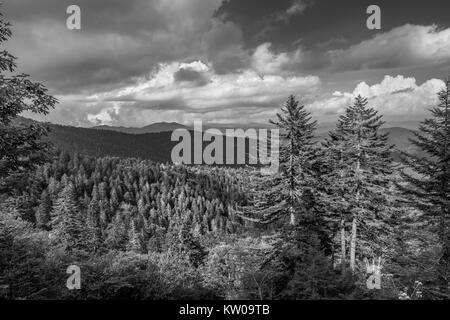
<point x="297" y="7"/>
<point x="223" y="47"/>
<point x="117" y="44"/>
<point x="393" y="96"/>
<point x="245" y="96"/>
<point x="266" y="62"/>
<point x="191" y="76"/>
<point x="239" y="98"/>
<point x="142" y="61"/>
<point x="407" y="45"/>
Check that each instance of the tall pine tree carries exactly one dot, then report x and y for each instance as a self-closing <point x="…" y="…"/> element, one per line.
<point x="429" y="185"/>
<point x="278" y="197"/>
<point x="362" y="166"/>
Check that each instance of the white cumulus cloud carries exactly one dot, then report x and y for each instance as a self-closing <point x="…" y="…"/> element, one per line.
<point x="243" y="97"/>
<point x="265" y="61"/>
<point x="393" y="96"/>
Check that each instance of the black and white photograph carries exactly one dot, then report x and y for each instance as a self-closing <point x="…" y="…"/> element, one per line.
<point x="216" y="151"/>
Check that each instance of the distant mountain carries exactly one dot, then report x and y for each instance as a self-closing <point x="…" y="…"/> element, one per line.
<point x="400" y="138"/>
<point x="322" y="128"/>
<point x="158" y="145"/>
<point x="23" y="121"/>
<point x="154" y="146"/>
<point x="152" y="128"/>
<point x="170" y="126"/>
<point x="411" y="125"/>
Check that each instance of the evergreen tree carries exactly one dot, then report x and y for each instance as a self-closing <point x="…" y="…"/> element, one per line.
<point x="362" y="169"/>
<point x="294" y="194"/>
<point x="93" y="222"/>
<point x="429" y="184"/>
<point x="43" y="216"/>
<point x="279" y="196"/>
<point x="69" y="224"/>
<point x="312" y="273"/>
<point x="134" y="243"/>
<point x="117" y="232"/>
<point x="191" y="246"/>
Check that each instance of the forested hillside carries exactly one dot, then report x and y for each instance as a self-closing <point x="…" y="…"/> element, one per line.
<point x="158" y="146"/>
<point x="117" y="191"/>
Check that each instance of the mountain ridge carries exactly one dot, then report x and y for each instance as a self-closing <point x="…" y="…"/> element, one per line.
<point x="151" y="128"/>
<point x="156" y="146"/>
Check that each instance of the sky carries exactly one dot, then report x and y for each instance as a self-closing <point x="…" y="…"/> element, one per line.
<point x="137" y="62"/>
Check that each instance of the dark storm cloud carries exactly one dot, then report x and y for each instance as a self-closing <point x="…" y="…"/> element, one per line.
<point x="179" y="105"/>
<point x="112" y="16"/>
<point x="223" y="45"/>
<point x="332" y="34"/>
<point x="118" y="40"/>
<point x="404" y="46"/>
<point x="169" y="104"/>
<point x="132" y="102"/>
<point x="322" y="20"/>
<point x="190" y="75"/>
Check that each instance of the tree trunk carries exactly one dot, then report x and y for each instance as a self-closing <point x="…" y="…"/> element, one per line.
<point x="353" y="245"/>
<point x="444" y="261"/>
<point x="343" y="244"/>
<point x="292" y="222"/>
<point x="343" y="262"/>
<point x="353" y="237"/>
<point x="355" y="216"/>
<point x="292" y="184"/>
